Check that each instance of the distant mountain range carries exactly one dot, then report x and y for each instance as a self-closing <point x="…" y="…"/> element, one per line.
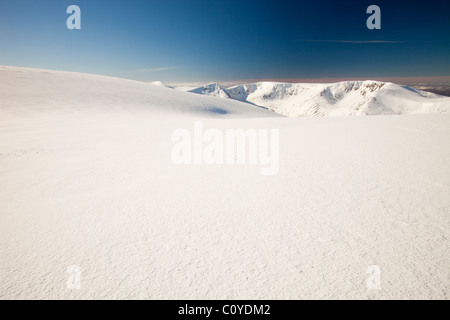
<point x="349" y="98"/>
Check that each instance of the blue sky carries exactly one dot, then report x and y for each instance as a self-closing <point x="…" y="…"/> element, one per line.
<point x="228" y="40"/>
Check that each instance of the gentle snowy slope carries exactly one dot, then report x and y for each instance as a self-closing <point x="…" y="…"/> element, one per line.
<point x="350" y="98"/>
<point x="86" y="179"/>
<point x="31" y="90"/>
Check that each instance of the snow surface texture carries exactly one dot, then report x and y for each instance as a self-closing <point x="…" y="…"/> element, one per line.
<point x="86" y="179"/>
<point x="350" y="98"/>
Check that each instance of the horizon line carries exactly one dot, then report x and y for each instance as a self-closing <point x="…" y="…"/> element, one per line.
<point x="430" y="80"/>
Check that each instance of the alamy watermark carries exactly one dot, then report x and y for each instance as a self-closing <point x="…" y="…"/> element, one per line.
<point x="374" y="21"/>
<point x="227" y="147"/>
<point x="374" y="280"/>
<point x="74" y="20"/>
<point x="74" y="280"/>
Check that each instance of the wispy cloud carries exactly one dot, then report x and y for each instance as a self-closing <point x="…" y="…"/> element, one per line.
<point x="351" y="41"/>
<point x="156" y="69"/>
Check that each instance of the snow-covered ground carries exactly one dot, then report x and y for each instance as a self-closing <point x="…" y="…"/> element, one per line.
<point x="86" y="179"/>
<point x="349" y="98"/>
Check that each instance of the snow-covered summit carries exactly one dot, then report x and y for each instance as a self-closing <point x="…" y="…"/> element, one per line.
<point x="160" y="83"/>
<point x="212" y="89"/>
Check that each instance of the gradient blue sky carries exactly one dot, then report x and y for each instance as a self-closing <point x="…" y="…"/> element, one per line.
<point x="229" y="40"/>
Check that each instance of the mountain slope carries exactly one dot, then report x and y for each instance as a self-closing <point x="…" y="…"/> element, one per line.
<point x="71" y="92"/>
<point x="87" y="180"/>
<point x="349" y="98"/>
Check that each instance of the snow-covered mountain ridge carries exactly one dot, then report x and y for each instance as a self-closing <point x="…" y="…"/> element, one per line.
<point x="349" y="98"/>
